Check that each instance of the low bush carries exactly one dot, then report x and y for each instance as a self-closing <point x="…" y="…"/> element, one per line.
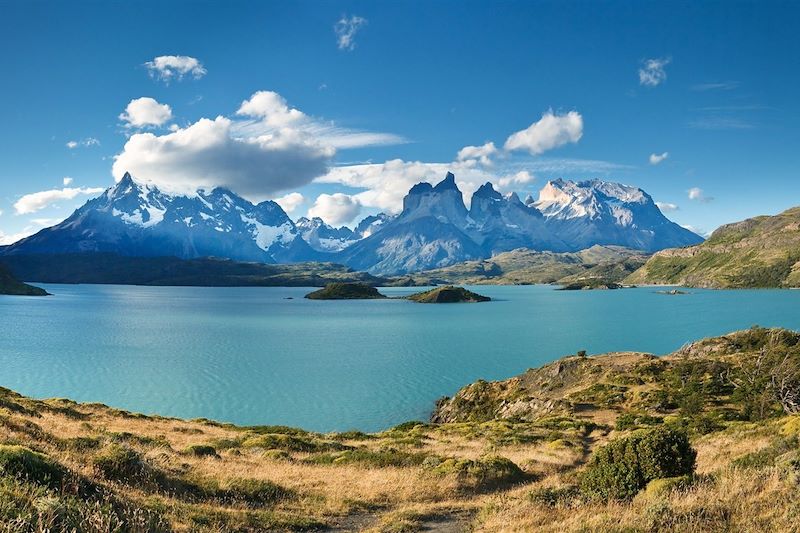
<point x="254" y="491"/>
<point x="373" y="458"/>
<point x="622" y="468"/>
<point x="25" y="464"/>
<point x="201" y="450"/>
<point x="120" y="463"/>
<point x="486" y="473"/>
<point x="291" y="443"/>
<point x="551" y="497"/>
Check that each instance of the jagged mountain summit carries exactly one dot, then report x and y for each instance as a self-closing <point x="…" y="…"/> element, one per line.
<point x="429" y="232"/>
<point x="324" y="237"/>
<point x="435" y="229"/>
<point x="136" y="219"/>
<point x="593" y="212"/>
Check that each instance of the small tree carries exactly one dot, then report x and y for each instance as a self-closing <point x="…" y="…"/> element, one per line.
<point x="623" y="467"/>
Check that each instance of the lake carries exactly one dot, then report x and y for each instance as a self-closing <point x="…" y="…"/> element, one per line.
<point x="254" y="356"/>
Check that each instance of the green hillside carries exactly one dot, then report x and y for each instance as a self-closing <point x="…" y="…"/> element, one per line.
<point x="758" y="252"/>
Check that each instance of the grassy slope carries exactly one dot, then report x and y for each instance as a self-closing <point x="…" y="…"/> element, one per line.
<point x="758" y="252"/>
<point x="524" y="267"/>
<point x="195" y="475"/>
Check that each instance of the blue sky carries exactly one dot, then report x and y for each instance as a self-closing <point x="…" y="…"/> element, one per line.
<point x="350" y="86"/>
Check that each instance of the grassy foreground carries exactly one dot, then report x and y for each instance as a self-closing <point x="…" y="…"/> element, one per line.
<point x="581" y="444"/>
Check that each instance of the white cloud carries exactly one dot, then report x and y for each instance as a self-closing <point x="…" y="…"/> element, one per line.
<point x="694" y="229"/>
<point x="551" y="131"/>
<point x="11" y="238"/>
<point x="652" y="72"/>
<point x="88" y="141"/>
<point x="658" y="158"/>
<point x="146" y="111"/>
<point x="482" y="154"/>
<point x="168" y="68"/>
<point x="208" y="154"/>
<point x="346" y="29"/>
<point x="272" y="149"/>
<point x="66" y="181"/>
<point x="272" y="109"/>
<point x="667" y="207"/>
<point x="45" y="222"/>
<point x="291" y="201"/>
<point x="335" y="209"/>
<point x="385" y="184"/>
<point x="30" y="203"/>
<point x="523" y="177"/>
<point x="697" y="194"/>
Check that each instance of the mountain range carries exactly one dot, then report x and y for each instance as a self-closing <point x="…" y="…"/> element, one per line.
<point x="435" y="228"/>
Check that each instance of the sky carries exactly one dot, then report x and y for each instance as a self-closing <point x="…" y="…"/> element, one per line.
<point x="334" y="109"/>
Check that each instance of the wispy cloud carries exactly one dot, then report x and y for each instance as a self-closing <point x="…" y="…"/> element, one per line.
<point x="720" y="123"/>
<point x="715" y="86"/>
<point x="652" y="72"/>
<point x="346" y="29"/>
<point x="87" y="142"/>
<point x="36" y="201"/>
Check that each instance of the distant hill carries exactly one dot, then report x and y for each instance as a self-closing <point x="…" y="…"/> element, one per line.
<point x="525" y="267"/>
<point x="116" y="269"/>
<point x="758" y="252"/>
<point x="12" y="286"/>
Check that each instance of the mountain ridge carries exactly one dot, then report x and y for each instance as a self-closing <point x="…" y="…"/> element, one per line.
<point x="435" y="229"/>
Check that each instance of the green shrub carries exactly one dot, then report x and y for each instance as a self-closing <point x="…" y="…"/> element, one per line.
<point x="82" y="444"/>
<point x="254" y="491"/>
<point x="767" y="456"/>
<point x="663" y="486"/>
<point x="407" y="426"/>
<point x="26" y="464"/>
<point x="624" y="466"/>
<point x="550" y="496"/>
<point x="120" y="463"/>
<point x="377" y="458"/>
<point x="201" y="450"/>
<point x="291" y="443"/>
<point x="486" y="473"/>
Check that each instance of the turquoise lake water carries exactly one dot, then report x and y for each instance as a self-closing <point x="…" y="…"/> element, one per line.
<point x="251" y="356"/>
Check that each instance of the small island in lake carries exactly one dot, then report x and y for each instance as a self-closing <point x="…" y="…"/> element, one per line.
<point x="591" y="284"/>
<point x="12" y="286"/>
<point x="447" y="295"/>
<point x="345" y="291"/>
<point x="672" y="292"/>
